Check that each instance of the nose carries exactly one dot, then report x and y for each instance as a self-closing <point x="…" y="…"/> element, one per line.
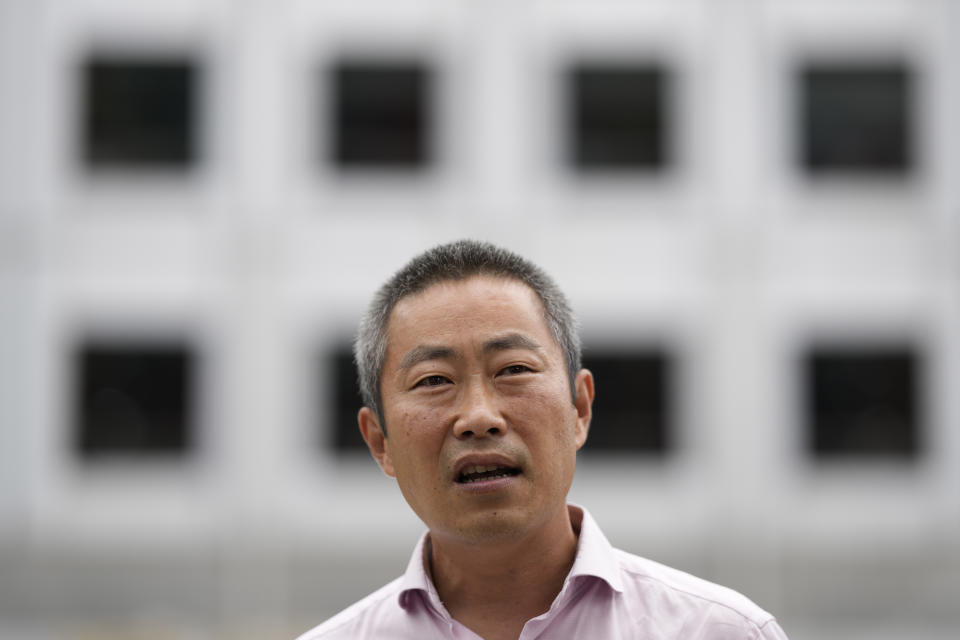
<point x="478" y="416"/>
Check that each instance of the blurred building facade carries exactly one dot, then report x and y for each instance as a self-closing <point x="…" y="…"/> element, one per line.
<point x="753" y="205"/>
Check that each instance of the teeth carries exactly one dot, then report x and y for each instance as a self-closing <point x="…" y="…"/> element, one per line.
<point x="474" y="469"/>
<point x="479" y="468"/>
<point x="499" y="475"/>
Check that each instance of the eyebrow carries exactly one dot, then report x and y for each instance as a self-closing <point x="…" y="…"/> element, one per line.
<point x="423" y="353"/>
<point x="511" y="341"/>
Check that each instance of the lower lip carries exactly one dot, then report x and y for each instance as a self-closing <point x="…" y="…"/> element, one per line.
<point x="487" y="486"/>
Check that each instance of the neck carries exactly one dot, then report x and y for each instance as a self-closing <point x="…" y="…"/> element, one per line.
<point x="504" y="582"/>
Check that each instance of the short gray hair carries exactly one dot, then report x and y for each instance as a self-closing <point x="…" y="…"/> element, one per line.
<point x="457" y="261"/>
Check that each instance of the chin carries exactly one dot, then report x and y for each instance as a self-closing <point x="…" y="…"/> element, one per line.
<point x="495" y="525"/>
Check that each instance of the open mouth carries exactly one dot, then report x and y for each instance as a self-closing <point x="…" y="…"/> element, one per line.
<point x="479" y="472"/>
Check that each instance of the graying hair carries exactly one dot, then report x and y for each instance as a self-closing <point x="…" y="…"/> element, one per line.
<point x="457" y="261"/>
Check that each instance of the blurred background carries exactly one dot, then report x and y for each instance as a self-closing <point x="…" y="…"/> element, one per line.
<point x="754" y="206"/>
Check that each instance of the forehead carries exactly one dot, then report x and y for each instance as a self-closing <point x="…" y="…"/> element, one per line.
<point x="453" y="306"/>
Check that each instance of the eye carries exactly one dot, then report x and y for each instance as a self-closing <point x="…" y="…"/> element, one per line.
<point x="515" y="369"/>
<point x="432" y="381"/>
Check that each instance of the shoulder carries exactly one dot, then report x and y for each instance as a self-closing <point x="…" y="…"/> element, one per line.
<point x="670" y="591"/>
<point x="362" y="615"/>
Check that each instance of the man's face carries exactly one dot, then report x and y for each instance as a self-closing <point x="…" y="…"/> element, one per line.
<point x="482" y="430"/>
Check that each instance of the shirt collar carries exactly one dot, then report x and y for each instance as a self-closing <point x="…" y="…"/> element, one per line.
<point x="417" y="578"/>
<point x="595" y="557"/>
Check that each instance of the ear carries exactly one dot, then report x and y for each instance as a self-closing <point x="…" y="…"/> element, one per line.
<point x="376" y="441"/>
<point x="583" y="383"/>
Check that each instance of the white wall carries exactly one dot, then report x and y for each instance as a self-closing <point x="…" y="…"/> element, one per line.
<point x="262" y="255"/>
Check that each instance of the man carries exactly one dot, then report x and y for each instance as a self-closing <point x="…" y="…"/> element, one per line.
<point x="469" y="366"/>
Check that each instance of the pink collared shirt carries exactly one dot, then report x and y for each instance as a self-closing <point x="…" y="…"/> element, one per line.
<point x="608" y="594"/>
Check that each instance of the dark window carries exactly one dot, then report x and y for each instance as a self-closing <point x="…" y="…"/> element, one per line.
<point x="617" y="117"/>
<point x="632" y="410"/>
<point x="381" y="115"/>
<point x="134" y="400"/>
<point x="863" y="403"/>
<point x="856" y="117"/>
<point x="345" y="434"/>
<point x="139" y="113"/>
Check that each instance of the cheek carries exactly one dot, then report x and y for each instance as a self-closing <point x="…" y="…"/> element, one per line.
<point x="425" y="423"/>
<point x="418" y="431"/>
<point x="551" y="411"/>
<point x="408" y="417"/>
<point x="549" y="432"/>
